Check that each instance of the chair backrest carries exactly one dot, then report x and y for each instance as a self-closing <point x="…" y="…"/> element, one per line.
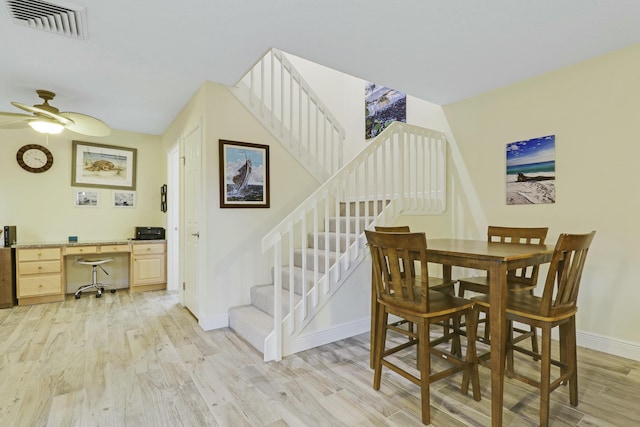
<point x="523" y="235"/>
<point x="396" y="285"/>
<point x="565" y="271"/>
<point x="393" y="229"/>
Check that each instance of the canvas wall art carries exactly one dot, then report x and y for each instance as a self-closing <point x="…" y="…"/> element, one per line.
<point x="383" y="106"/>
<point x="244" y="175"/>
<point x="531" y="171"/>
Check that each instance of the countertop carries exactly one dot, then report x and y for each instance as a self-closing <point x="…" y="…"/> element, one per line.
<point x="82" y="243"/>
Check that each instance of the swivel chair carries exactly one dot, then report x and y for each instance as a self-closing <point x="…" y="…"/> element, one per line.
<point x="99" y="287"/>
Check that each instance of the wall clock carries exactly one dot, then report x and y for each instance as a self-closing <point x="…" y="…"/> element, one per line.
<point x="34" y="158"/>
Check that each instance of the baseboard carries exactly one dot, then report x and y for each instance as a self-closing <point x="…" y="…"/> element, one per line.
<point x="622" y="348"/>
<point x="214" y="322"/>
<point x="326" y="336"/>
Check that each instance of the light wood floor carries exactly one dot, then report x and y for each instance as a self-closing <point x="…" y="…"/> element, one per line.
<point x="141" y="360"/>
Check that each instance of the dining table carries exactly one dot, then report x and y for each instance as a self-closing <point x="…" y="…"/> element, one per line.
<point x="496" y="258"/>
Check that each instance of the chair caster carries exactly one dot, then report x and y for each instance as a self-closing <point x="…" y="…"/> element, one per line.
<point x="77" y="296"/>
<point x="98" y="295"/>
<point x="113" y="291"/>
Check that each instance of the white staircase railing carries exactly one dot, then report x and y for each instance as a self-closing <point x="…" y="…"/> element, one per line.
<point x="402" y="170"/>
<point x="279" y="97"/>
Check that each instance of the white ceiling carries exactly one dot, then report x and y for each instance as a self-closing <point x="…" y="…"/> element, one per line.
<point x="144" y="59"/>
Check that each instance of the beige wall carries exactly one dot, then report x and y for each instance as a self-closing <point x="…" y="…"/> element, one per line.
<point x="41" y="205"/>
<point x="233" y="254"/>
<point x="592" y="109"/>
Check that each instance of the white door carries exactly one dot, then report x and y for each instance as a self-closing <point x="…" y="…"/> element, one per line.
<point x="173" y="219"/>
<point x="192" y="208"/>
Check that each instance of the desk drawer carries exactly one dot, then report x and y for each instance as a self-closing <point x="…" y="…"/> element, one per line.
<point x="104" y="249"/>
<point x="38" y="254"/>
<point x="39" y="285"/>
<point x="147" y="249"/>
<point x="41" y="267"/>
<point x="80" y="250"/>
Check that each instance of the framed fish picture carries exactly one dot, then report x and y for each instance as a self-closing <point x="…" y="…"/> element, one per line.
<point x="244" y="175"/>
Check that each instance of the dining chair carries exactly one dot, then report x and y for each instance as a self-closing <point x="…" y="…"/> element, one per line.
<point x="405" y="293"/>
<point x="520" y="280"/>
<point x="403" y="326"/>
<point x="556" y="307"/>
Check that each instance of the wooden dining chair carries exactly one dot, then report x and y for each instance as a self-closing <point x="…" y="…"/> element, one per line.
<point x="520" y="280"/>
<point x="403" y="326"/>
<point x="404" y="292"/>
<point x="556" y="307"/>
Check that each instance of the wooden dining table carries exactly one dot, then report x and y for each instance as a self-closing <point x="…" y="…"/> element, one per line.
<point x="497" y="259"/>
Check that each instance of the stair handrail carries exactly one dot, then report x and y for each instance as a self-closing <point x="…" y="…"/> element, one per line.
<point x="279" y="97"/>
<point x="389" y="176"/>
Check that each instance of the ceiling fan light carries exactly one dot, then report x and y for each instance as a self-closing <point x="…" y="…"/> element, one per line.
<point x="46" y="126"/>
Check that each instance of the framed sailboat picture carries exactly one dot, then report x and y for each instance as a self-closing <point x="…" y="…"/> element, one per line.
<point x="244" y="175"/>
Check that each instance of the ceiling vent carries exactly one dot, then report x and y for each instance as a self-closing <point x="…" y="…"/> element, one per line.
<point x="59" y="18"/>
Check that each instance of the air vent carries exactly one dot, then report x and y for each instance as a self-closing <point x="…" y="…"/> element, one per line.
<point x="64" y="19"/>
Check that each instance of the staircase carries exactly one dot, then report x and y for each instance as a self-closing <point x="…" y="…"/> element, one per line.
<point x="254" y="322"/>
<point x="320" y="244"/>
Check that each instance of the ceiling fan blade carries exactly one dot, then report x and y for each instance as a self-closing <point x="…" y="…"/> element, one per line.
<point x="63" y="120"/>
<point x="16" y="123"/>
<point x="86" y="125"/>
<point x="15" y="116"/>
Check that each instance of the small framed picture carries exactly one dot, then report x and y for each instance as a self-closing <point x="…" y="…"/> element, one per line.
<point x="86" y="199"/>
<point x="124" y="199"/>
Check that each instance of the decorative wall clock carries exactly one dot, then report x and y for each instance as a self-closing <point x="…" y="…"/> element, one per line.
<point x="34" y="158"/>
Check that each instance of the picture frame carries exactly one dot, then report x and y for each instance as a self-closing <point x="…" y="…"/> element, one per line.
<point x="531" y="171"/>
<point x="103" y="166"/>
<point x="244" y="175"/>
<point x="163" y="198"/>
<point x="123" y="199"/>
<point x="86" y="198"/>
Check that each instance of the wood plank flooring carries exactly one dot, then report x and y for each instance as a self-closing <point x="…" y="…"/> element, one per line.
<point x="142" y="360"/>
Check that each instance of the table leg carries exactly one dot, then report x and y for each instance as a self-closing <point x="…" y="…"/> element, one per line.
<point x="374" y="313"/>
<point x="497" y="313"/>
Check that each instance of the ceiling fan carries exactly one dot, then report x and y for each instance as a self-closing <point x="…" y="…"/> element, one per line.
<point x="48" y="119"/>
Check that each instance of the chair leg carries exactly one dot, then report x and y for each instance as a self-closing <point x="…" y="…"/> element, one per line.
<point x="568" y="356"/>
<point x="472" y="355"/>
<point x="534" y="342"/>
<point x="545" y="375"/>
<point x="425" y="368"/>
<point x="509" y="346"/>
<point x="375" y="308"/>
<point x="379" y="344"/>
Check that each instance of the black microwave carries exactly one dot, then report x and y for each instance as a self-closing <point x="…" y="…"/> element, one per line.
<point x="149" y="233"/>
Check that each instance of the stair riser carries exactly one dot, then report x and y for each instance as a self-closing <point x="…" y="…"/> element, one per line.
<point x="262" y="298"/>
<point x="297" y="260"/>
<point x="344" y="242"/>
<point x="297" y="279"/>
<point x="364" y="222"/>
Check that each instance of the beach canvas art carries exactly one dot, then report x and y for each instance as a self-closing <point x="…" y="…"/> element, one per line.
<point x="531" y="171"/>
<point x="383" y="106"/>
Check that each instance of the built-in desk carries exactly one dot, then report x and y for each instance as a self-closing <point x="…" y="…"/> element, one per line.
<point x="40" y="267"/>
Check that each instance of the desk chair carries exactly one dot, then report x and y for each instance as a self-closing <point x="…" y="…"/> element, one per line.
<point x="435" y="283"/>
<point x="404" y="292"/>
<point x="556" y="307"/>
<point x="99" y="287"/>
<point x="522" y="280"/>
